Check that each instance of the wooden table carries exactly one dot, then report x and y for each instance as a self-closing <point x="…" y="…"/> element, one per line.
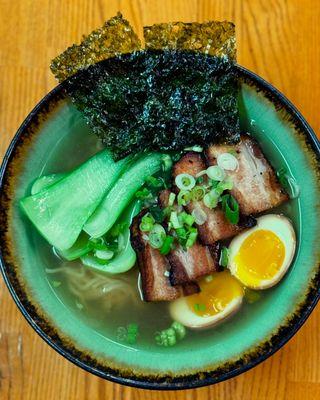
<point x="278" y="39"/>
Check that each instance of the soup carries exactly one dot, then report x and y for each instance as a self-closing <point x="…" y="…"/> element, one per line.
<point x="111" y="303"/>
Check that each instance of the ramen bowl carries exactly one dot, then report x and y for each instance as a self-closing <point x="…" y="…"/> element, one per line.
<point x="54" y="138"/>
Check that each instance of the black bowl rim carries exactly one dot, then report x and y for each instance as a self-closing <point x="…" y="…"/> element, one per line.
<point x="187" y="381"/>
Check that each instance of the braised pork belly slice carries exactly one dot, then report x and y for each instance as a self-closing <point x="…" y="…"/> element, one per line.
<point x="255" y="185"/>
<point x="154" y="270"/>
<point x="189" y="264"/>
<point x="216" y="227"/>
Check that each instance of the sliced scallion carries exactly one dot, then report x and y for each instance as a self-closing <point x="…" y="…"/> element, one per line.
<point x="154" y="182"/>
<point x="181" y="233"/>
<point x="171" y="199"/>
<point x="166" y="162"/>
<point x="224" y="257"/>
<point x="175" y="220"/>
<point x="211" y="199"/>
<point x="179" y="329"/>
<point x="227" y="161"/>
<point x="184" y="197"/>
<point x="186" y="219"/>
<point x="192" y="238"/>
<point x="143" y="194"/>
<point x="185" y="181"/>
<point x="166" y="247"/>
<point x="216" y="173"/>
<point x="196" y="148"/>
<point x="230" y="207"/>
<point x="157" y="236"/>
<point x="199" y="216"/>
<point x="98" y="243"/>
<point x="197" y="193"/>
<point x="147" y="223"/>
<point x="200" y="174"/>
<point x="226" y="184"/>
<point x="104" y="254"/>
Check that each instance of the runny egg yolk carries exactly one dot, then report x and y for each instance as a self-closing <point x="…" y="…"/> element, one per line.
<point x="260" y="257"/>
<point x="217" y="291"/>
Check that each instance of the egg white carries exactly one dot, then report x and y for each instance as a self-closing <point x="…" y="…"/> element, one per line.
<point x="280" y="226"/>
<point x="180" y="312"/>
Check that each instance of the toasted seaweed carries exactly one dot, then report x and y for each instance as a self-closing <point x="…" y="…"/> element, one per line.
<point x="158" y="100"/>
<point x="213" y="37"/>
<point x="115" y="37"/>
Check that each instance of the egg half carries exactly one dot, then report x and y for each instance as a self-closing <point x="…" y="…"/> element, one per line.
<point x="221" y="295"/>
<point x="260" y="256"/>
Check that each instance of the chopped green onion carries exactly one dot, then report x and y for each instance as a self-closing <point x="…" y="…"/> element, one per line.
<point x="224" y="257"/>
<point x="157" y="236"/>
<point x="200" y="179"/>
<point x="143" y="194"/>
<point x="154" y="182"/>
<point x="132" y="328"/>
<point x="182" y="234"/>
<point x="169" y="337"/>
<point x="211" y="199"/>
<point x="191" y="239"/>
<point x="147" y="223"/>
<point x="171" y="199"/>
<point x="199" y="307"/>
<point x="213" y="184"/>
<point x="175" y="220"/>
<point x="56" y="284"/>
<point x="208" y="278"/>
<point x="128" y="334"/>
<point x="197" y="193"/>
<point x="227" y="161"/>
<point x="185" y="181"/>
<point x="145" y="227"/>
<point x="166" y="162"/>
<point x="293" y="188"/>
<point x="227" y="184"/>
<point x="184" y="197"/>
<point x="196" y="148"/>
<point x="179" y="329"/>
<point x="201" y="173"/>
<point x="199" y="216"/>
<point x="186" y="218"/>
<point x="215" y="172"/>
<point x="166" y="247"/>
<point x="288" y="183"/>
<point x="230" y="207"/>
<point x="104" y="254"/>
<point x="98" y="243"/>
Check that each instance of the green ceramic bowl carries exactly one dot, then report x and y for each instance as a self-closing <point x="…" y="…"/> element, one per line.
<point x="55" y="129"/>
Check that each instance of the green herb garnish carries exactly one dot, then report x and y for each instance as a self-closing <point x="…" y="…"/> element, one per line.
<point x="230" y="207"/>
<point x="224" y="257"/>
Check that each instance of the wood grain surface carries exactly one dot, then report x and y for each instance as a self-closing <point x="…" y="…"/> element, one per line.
<point x="278" y="39"/>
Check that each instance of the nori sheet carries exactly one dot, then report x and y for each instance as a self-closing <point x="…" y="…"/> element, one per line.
<point x="158" y="100"/>
<point x="115" y="37"/>
<point x="212" y="37"/>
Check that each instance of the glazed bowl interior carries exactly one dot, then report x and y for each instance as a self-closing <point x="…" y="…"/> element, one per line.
<point x="54" y="138"/>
